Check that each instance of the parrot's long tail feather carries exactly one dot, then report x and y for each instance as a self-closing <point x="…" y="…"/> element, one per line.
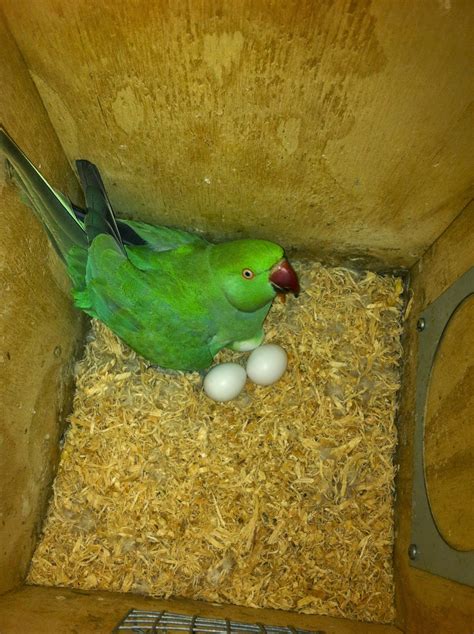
<point x="54" y="209"/>
<point x="100" y="217"/>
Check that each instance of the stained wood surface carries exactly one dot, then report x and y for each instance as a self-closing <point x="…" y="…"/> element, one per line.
<point x="449" y="431"/>
<point x="37" y="324"/>
<point x="426" y="602"/>
<point x="341" y="129"/>
<point x="43" y="610"/>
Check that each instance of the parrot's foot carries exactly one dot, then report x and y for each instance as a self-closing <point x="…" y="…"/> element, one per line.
<point x="248" y="344"/>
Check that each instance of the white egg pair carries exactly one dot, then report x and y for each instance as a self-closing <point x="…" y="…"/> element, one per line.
<point x="265" y="365"/>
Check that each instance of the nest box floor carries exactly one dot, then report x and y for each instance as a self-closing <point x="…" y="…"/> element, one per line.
<point x="282" y="498"/>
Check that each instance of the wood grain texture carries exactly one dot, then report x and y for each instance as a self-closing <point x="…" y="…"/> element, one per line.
<point x="36" y="318"/>
<point x="425" y="602"/>
<point x="449" y="431"/>
<point x="45" y="610"/>
<point x="342" y="129"/>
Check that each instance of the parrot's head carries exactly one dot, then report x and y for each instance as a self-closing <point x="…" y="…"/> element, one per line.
<point x="251" y="272"/>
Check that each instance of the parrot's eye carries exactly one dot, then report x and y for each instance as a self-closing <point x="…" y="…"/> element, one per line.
<point x="248" y="274"/>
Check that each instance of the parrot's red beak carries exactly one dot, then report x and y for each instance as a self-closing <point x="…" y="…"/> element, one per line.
<point x="284" y="279"/>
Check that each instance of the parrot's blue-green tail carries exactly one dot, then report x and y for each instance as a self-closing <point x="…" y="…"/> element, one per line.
<point x="55" y="211"/>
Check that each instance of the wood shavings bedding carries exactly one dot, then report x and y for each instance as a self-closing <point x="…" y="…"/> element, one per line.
<point x="282" y="498"/>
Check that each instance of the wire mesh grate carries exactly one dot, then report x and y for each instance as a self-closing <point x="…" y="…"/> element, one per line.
<point x="144" y="622"/>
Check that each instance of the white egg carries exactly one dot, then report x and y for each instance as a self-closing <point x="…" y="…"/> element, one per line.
<point x="267" y="364"/>
<point x="225" y="381"/>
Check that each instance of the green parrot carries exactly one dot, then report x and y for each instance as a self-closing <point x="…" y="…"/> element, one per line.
<point x="172" y="296"/>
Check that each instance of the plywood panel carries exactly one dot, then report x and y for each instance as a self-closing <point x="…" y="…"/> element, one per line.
<point x="425" y="602"/>
<point x="46" y="610"/>
<point x="449" y="431"/>
<point x="342" y="129"/>
<point x="37" y="324"/>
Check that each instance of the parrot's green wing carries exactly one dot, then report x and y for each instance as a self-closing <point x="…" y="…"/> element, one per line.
<point x="140" y="281"/>
<point x="142" y="306"/>
<point x="108" y="269"/>
<point x="157" y="238"/>
<point x="144" y="241"/>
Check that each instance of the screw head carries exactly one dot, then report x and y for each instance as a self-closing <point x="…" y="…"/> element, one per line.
<point x="413" y="551"/>
<point x="421" y="324"/>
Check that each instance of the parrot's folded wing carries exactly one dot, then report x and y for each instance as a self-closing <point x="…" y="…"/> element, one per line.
<point x="112" y="286"/>
<point x="159" y="238"/>
<point x="143" y="309"/>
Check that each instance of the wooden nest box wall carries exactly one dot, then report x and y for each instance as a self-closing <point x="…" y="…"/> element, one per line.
<point x="342" y="130"/>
